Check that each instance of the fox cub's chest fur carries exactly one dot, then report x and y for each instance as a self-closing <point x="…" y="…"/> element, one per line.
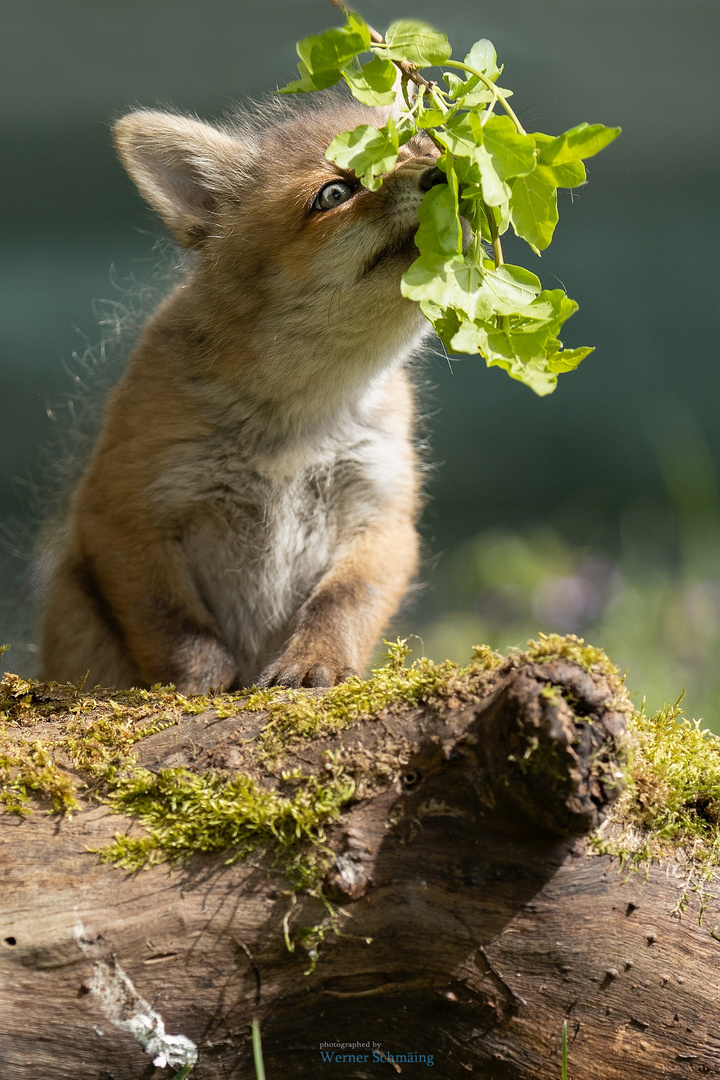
<point x="248" y="514"/>
<point x="259" y="530"/>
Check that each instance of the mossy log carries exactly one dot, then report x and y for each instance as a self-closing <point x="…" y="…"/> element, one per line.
<point x="458" y="917"/>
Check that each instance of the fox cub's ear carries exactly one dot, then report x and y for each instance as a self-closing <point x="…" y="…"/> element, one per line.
<point x="181" y="166"/>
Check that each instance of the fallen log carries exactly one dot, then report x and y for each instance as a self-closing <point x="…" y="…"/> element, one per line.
<point x="417" y="886"/>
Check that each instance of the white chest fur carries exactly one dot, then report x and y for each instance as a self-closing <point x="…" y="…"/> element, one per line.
<point x="260" y="529"/>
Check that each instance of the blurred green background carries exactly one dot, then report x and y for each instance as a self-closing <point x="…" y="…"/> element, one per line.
<point x="595" y="511"/>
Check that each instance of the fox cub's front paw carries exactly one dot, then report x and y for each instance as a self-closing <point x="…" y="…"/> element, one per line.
<point x="202" y="663"/>
<point x="293" y="670"/>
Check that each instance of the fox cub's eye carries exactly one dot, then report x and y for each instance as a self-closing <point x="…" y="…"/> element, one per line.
<point x="332" y="195"/>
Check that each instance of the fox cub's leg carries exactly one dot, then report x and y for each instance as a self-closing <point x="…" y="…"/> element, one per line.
<point x="338" y="625"/>
<point x="78" y="638"/>
<point x="131" y="614"/>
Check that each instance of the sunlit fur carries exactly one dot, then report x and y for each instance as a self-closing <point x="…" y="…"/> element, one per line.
<point x="248" y="512"/>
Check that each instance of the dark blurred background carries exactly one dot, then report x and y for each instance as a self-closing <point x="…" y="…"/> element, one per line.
<point x="595" y="511"/>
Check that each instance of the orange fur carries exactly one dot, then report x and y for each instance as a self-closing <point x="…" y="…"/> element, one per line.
<point x="248" y="512"/>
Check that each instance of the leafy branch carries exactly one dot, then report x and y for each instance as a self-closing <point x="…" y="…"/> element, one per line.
<point x="408" y="70"/>
<point x="498" y="176"/>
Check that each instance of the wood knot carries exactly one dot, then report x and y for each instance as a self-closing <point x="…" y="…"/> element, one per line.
<point x="348" y="879"/>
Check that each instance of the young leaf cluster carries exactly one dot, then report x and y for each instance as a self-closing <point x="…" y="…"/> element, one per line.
<point x="498" y="176"/>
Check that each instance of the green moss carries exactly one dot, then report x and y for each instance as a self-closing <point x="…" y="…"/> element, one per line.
<point x="33" y="769"/>
<point x="672" y="804"/>
<point x="70" y="746"/>
<point x="551" y="647"/>
<point x="294" y="715"/>
<point x="98" y="731"/>
<point x="677" y="776"/>
<point x="183" y="812"/>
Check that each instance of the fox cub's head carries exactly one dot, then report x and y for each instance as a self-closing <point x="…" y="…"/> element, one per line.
<point x="262" y="205"/>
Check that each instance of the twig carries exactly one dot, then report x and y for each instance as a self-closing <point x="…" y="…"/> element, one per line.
<point x="494" y="236"/>
<point x="407" y="69"/>
<point x="256" y="970"/>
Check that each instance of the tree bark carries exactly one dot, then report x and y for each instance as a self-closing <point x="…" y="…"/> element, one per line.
<point x="471" y="917"/>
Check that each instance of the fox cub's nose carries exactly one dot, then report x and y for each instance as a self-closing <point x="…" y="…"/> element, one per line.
<point x="431" y="177"/>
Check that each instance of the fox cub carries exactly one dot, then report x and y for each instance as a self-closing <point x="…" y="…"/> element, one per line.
<point x="248" y="513"/>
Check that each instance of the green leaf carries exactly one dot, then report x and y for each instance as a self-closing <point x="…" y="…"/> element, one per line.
<point x="430" y="118"/>
<point x="405" y="128"/>
<point x="470" y="338"/>
<point x="483" y="58"/>
<point x="322" y="56"/>
<point x="512" y="154"/>
<point x="374" y="83"/>
<point x="334" y="49"/>
<point x="449" y="282"/>
<point x="498" y="348"/>
<point x="551" y="308"/>
<point x="471" y="91"/>
<point x="568" y="359"/>
<point x="526" y="348"/>
<point x="500" y="312"/>
<point x="357" y="25"/>
<point x="308" y="81"/>
<point x="515" y="290"/>
<point x="533" y="208"/>
<point x="548" y="174"/>
<point x="368" y="151"/>
<point x="455" y="84"/>
<point x="570" y="175"/>
<point x="446" y="321"/>
<point x="481" y="94"/>
<point x="474" y="211"/>
<point x="536" y="375"/>
<point x="470" y="175"/>
<point x="415" y="41"/>
<point x="562" y="308"/>
<point x="439" y="218"/>
<point x="583" y="141"/>
<point x="495" y="191"/>
<point x="463" y="134"/>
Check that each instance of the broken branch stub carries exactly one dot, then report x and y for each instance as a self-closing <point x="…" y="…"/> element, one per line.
<point x="552" y="749"/>
<point x="540" y="753"/>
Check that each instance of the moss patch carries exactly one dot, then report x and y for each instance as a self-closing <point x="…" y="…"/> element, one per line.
<point x="97" y="731"/>
<point x="70" y="747"/>
<point x="32" y="769"/>
<point x="91" y="758"/>
<point x="671" y="808"/>
<point x="183" y="813"/>
<point x="294" y="716"/>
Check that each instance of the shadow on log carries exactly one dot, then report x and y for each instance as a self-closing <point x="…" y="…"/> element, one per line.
<point x="467" y="917"/>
